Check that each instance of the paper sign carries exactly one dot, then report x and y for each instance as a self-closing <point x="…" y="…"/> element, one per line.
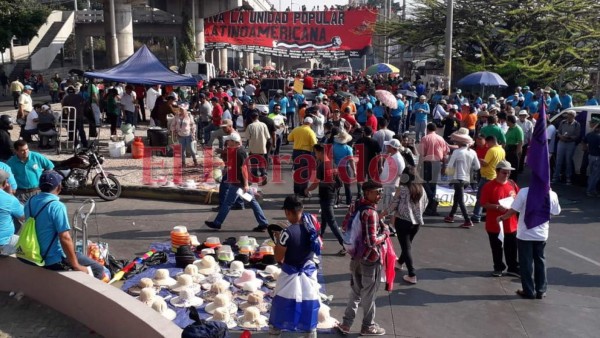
<point x="298" y="86"/>
<point x="501" y="234"/>
<point x="244" y="195"/>
<point x="506" y="203"/>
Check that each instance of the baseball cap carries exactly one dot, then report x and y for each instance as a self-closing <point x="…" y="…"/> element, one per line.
<point x="235" y="137"/>
<point x="214" y="98"/>
<point x="3" y="176"/>
<point x="28" y="87"/>
<point x="202" y="96"/>
<point x="226" y="123"/>
<point x="308" y="120"/>
<point x="399" y="95"/>
<point x="571" y="112"/>
<point x="523" y="112"/>
<point x="49" y="180"/>
<point x="393" y="143"/>
<point x="292" y="203"/>
<point x="503" y="165"/>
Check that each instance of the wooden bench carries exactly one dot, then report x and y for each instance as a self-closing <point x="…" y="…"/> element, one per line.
<point x="101" y="307"/>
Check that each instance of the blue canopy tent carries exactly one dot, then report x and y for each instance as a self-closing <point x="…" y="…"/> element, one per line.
<point x="142" y="68"/>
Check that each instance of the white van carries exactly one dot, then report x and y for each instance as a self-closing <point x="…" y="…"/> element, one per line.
<point x="201" y="68"/>
<point x="584" y="116"/>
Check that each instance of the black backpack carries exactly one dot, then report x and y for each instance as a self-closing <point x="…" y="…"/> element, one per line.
<point x="204" y="329"/>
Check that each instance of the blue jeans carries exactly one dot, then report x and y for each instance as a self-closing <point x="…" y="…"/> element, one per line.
<point x="131" y="117"/>
<point x="210" y="128"/>
<point x="229" y="199"/>
<point x="186" y="143"/>
<point x="97" y="269"/>
<point x="533" y="266"/>
<point x="594" y="165"/>
<point x="223" y="188"/>
<point x="564" y="157"/>
<point x="420" y="127"/>
<point x="477" y="209"/>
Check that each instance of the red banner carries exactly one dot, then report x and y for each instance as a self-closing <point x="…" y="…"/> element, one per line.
<point x="293" y="34"/>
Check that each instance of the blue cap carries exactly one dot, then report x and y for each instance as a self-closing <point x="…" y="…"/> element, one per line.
<point x="49" y="180"/>
<point x="28" y="87"/>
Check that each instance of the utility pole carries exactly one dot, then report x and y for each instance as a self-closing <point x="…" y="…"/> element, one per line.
<point x="92" y="65"/>
<point x="448" y="52"/>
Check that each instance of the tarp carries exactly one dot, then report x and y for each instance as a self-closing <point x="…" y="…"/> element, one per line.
<point x="293" y="34"/>
<point x="142" y="68"/>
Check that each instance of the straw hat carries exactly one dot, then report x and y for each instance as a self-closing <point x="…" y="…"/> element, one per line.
<point x="147" y="296"/>
<point x="207" y="251"/>
<point x="271" y="271"/>
<point x="221" y="300"/>
<point x="246" y="250"/>
<point x="459" y="136"/>
<point x="185" y="282"/>
<point x="247" y="277"/>
<point x="257" y="300"/>
<point x="143" y="283"/>
<point x="325" y="319"/>
<point x="192" y="271"/>
<point x="225" y="254"/>
<point x="207" y="265"/>
<point x="266" y="250"/>
<point x="252" y="319"/>
<point x="342" y="137"/>
<point x="194" y="240"/>
<point x="247" y="240"/>
<point x="217" y="288"/>
<point x="187" y="298"/>
<point x="161" y="307"/>
<point x="222" y="314"/>
<point x="212" y="242"/>
<point x="179" y="229"/>
<point x="210" y="280"/>
<point x="162" y="278"/>
<point x="247" y="290"/>
<point x="236" y="268"/>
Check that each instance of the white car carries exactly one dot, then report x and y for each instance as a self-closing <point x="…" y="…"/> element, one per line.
<point x="584" y="116"/>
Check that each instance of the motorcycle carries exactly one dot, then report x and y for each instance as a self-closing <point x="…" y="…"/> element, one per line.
<point x="76" y="171"/>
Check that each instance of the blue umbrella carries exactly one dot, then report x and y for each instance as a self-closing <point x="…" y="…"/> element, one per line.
<point x="485" y="79"/>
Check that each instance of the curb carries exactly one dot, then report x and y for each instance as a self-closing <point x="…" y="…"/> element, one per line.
<point x="159" y="194"/>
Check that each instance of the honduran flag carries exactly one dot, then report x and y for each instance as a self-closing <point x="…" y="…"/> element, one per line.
<point x="537" y="211"/>
<point x="295" y="306"/>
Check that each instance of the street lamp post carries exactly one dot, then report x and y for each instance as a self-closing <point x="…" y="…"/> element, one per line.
<point x="448" y="52"/>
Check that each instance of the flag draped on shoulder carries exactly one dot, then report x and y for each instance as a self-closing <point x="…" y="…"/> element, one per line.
<point x="537" y="211"/>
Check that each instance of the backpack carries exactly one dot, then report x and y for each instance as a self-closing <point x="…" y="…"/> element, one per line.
<point x="28" y="246"/>
<point x="204" y="329"/>
<point x="353" y="236"/>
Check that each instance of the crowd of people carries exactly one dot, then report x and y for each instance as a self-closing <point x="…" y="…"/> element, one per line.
<point x="347" y="137"/>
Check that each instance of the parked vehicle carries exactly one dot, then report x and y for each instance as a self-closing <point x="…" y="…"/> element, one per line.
<point x="584" y="116"/>
<point x="77" y="169"/>
<point x="205" y="69"/>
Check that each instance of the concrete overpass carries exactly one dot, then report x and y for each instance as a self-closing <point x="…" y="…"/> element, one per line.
<point x="121" y="19"/>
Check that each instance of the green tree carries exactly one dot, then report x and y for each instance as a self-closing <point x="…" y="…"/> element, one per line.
<point x="20" y="19"/>
<point x="187" y="49"/>
<point x="526" y="41"/>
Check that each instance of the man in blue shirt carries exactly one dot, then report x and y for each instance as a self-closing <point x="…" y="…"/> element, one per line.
<point x="291" y="110"/>
<point x="27" y="167"/>
<point x="528" y="96"/>
<point x="11" y="178"/>
<point x="52" y="228"/>
<point x="591" y="101"/>
<point x="566" y="100"/>
<point x="554" y="105"/>
<point x="10" y="208"/>
<point x="421" y="110"/>
<point x="361" y="110"/>
<point x="396" y="115"/>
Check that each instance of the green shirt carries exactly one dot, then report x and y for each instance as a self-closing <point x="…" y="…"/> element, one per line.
<point x="494" y="130"/>
<point x="27" y="174"/>
<point x="514" y="135"/>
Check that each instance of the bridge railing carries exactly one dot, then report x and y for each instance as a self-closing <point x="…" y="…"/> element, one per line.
<point x="139" y="15"/>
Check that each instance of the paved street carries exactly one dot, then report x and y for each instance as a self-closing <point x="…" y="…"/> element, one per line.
<point x="455" y="296"/>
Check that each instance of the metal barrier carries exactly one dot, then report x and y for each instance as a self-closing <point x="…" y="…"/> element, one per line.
<point x="67" y="130"/>
<point x="84" y="211"/>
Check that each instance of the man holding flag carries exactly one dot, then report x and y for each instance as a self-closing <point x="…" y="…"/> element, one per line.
<point x="535" y="211"/>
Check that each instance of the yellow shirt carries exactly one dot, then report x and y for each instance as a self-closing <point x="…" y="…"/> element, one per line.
<point x="304" y="138"/>
<point x="16" y="86"/>
<point x="492" y="157"/>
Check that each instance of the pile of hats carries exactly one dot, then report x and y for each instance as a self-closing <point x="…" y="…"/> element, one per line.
<point x="179" y="237"/>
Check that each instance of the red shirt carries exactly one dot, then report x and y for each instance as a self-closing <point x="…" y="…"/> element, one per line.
<point x="350" y="119"/>
<point x="217" y="115"/>
<point x="481" y="151"/>
<point x="371" y="122"/>
<point x="492" y="192"/>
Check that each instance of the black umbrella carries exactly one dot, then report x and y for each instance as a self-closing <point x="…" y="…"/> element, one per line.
<point x="77" y="72"/>
<point x="408" y="93"/>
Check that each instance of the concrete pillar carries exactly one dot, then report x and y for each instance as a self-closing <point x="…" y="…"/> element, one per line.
<point x="267" y="60"/>
<point x="249" y="60"/>
<point x="80" y="45"/>
<point x="110" y="35"/>
<point x="198" y="13"/>
<point x="223" y="59"/>
<point x="124" y="26"/>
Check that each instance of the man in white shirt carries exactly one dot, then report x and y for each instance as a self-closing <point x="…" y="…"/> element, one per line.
<point x="531" y="243"/>
<point x="129" y="103"/>
<point x="527" y="127"/>
<point x="151" y="95"/>
<point x="318" y="124"/>
<point x="250" y="89"/>
<point x="258" y="135"/>
<point x="392" y="170"/>
<point x="383" y="134"/>
<point x="25" y="104"/>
